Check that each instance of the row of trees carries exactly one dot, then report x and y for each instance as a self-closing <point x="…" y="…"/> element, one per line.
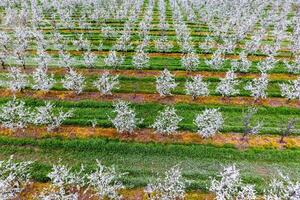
<point x="105" y="183"/>
<point x="165" y="84"/>
<point x="15" y="115"/>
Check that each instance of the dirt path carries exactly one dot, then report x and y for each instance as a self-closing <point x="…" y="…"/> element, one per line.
<point x="36" y="188"/>
<point x="148" y="135"/>
<point x="168" y="55"/>
<point x="153" y="73"/>
<point x="153" y="98"/>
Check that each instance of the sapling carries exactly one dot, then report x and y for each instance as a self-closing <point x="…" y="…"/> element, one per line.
<point x="288" y="129"/>
<point x="15" y="115"/>
<point x="209" y="122"/>
<point x="228" y="85"/>
<point x="165" y="83"/>
<point x="73" y="81"/>
<point x="249" y="128"/>
<point x="171" y="186"/>
<point x="167" y="121"/>
<point x="125" y="120"/>
<point x="51" y="117"/>
<point x="196" y="87"/>
<point x="229" y="186"/>
<point x="106" y="82"/>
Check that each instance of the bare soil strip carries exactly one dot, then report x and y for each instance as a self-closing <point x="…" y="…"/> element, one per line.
<point x="148" y="135"/>
<point x="153" y="98"/>
<point x="154" y="73"/>
<point x="167" y="55"/>
<point x="128" y="194"/>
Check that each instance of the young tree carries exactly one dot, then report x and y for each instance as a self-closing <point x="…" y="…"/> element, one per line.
<point x="14" y="115"/>
<point x="125" y="120"/>
<point x="106" y="82"/>
<point x="217" y="60"/>
<point x="90" y="59"/>
<point x="227" y="85"/>
<point x="258" y="87"/>
<point x="41" y="80"/>
<point x="43" y="59"/>
<point x="48" y="115"/>
<point x="108" y="32"/>
<point x="4" y="46"/>
<point x="282" y="188"/>
<point x="290" y="90"/>
<point x="140" y="60"/>
<point x="196" y="87"/>
<point x="17" y="81"/>
<point x="190" y="61"/>
<point x="65" y="60"/>
<point x="243" y="64"/>
<point x="65" y="185"/>
<point x="73" y="81"/>
<point x="249" y="128"/>
<point x="230" y="186"/>
<point x="209" y="122"/>
<point x="81" y="44"/>
<point x="167" y="121"/>
<point x="163" y="45"/>
<point x="105" y="181"/>
<point x="293" y="67"/>
<point x="288" y="129"/>
<point x="113" y="60"/>
<point x="170" y="187"/>
<point x="14" y="177"/>
<point x="165" y="83"/>
<point x="267" y="64"/>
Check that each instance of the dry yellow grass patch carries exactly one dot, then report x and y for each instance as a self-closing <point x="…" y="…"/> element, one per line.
<point x="148" y="135"/>
<point x="35" y="189"/>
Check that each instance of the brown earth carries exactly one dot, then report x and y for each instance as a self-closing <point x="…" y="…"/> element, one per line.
<point x="153" y="98"/>
<point x="153" y="73"/>
<point x="148" y="135"/>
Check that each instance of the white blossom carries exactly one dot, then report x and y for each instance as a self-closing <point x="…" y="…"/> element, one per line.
<point x="230" y="186"/>
<point x="113" y="60"/>
<point x="227" y="85"/>
<point x="17" y="80"/>
<point x="73" y="81"/>
<point x="291" y="90"/>
<point x="293" y="67"/>
<point x="190" y="61"/>
<point x="41" y="80"/>
<point x="65" y="60"/>
<point x="14" y="177"/>
<point x="65" y="185"/>
<point x="167" y="121"/>
<point x="106" y="82"/>
<point x="217" y="61"/>
<point x="282" y="188"/>
<point x="243" y="64"/>
<point x="165" y="83"/>
<point x="267" y="64"/>
<point x="15" y="115"/>
<point x="258" y="87"/>
<point x="170" y="187"/>
<point x="48" y="115"/>
<point x="105" y="181"/>
<point x="81" y="43"/>
<point x="163" y="45"/>
<point x="90" y="59"/>
<point x="209" y="122"/>
<point x="140" y="60"/>
<point x="196" y="87"/>
<point x="125" y="120"/>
